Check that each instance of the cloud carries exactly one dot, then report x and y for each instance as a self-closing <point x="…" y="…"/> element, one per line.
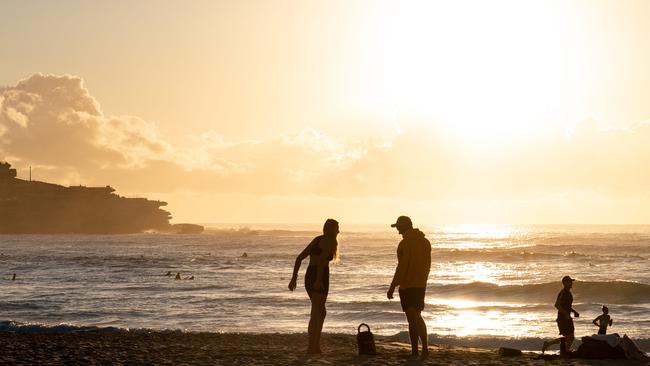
<point x="54" y="121"/>
<point x="54" y="124"/>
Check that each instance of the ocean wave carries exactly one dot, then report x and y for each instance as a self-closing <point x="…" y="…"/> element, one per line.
<point x="24" y="305"/>
<point x="378" y="306"/>
<point x="246" y="231"/>
<point x="480" y="341"/>
<point x="513" y="255"/>
<point x="610" y="292"/>
<point x="18" y="327"/>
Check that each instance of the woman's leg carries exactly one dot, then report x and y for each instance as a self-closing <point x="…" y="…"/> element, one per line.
<point x="316" y="319"/>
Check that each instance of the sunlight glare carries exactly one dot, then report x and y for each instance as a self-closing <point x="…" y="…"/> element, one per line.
<point x="483" y="74"/>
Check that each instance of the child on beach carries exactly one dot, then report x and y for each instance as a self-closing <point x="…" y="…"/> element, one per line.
<point x="603" y="320"/>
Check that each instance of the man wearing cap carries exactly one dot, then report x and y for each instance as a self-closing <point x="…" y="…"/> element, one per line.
<point x="411" y="275"/>
<point x="564" y="304"/>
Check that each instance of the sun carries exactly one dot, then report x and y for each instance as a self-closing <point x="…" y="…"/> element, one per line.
<point x="472" y="67"/>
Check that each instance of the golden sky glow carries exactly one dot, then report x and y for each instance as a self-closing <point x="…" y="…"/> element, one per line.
<point x="294" y="111"/>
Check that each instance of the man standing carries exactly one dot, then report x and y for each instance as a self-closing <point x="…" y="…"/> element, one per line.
<point x="411" y="275"/>
<point x="564" y="306"/>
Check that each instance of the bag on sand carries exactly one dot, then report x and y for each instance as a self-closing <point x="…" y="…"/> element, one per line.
<point x="365" y="341"/>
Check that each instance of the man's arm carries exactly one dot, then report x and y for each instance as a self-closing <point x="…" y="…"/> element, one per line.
<point x="575" y="313"/>
<point x="560" y="309"/>
<point x="402" y="265"/>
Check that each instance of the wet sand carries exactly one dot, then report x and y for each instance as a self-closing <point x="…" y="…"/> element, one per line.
<point x="177" y="348"/>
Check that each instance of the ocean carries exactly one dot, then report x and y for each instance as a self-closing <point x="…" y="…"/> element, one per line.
<point x="488" y="285"/>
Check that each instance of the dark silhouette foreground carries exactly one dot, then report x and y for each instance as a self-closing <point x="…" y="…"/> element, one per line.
<point x="320" y="251"/>
<point x="411" y="275"/>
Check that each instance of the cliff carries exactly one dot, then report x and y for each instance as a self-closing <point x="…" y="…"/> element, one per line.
<point x="45" y="208"/>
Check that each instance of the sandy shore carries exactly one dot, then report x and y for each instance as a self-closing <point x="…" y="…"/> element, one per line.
<point x="176" y="348"/>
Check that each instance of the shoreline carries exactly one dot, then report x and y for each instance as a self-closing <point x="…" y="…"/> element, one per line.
<point x="174" y="348"/>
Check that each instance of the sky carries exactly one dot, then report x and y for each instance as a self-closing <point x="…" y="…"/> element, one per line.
<point x="500" y="112"/>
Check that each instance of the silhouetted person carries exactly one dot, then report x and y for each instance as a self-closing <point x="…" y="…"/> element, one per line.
<point x="245" y="255"/>
<point x="189" y="278"/>
<point x="178" y="276"/>
<point x="411" y="275"/>
<point x="320" y="251"/>
<point x="13" y="278"/>
<point x="603" y="320"/>
<point x="169" y="274"/>
<point x="564" y="305"/>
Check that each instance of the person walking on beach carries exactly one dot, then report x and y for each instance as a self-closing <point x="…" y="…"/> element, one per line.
<point x="321" y="251"/>
<point x="603" y="320"/>
<point x="564" y="304"/>
<point x="411" y="275"/>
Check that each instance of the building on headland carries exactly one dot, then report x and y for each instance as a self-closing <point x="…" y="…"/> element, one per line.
<point x="45" y="208"/>
<point x="6" y="172"/>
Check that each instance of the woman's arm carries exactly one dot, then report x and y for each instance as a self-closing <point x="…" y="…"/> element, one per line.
<point x="296" y="267"/>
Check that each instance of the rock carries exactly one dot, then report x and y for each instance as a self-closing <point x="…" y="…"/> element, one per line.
<point x="508" y="352"/>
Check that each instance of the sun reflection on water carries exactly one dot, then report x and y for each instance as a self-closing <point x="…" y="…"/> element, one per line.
<point x="467" y="318"/>
<point x="476" y="237"/>
<point x="467" y="322"/>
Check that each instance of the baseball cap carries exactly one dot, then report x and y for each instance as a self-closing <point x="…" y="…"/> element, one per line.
<point x="567" y="279"/>
<point x="403" y="221"/>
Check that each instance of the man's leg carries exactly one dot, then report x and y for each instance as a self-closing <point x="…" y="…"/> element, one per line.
<point x="550" y="343"/>
<point x="412" y="316"/>
<point x="422" y="332"/>
<point x="568" y="341"/>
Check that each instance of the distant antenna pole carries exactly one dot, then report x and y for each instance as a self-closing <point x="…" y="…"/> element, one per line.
<point x="30" y="173"/>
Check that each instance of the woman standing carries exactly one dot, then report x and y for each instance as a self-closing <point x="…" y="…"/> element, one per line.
<point x="321" y="251"/>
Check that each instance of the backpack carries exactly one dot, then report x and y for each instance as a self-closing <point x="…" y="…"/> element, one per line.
<point x="365" y="341"/>
<point x="598" y="350"/>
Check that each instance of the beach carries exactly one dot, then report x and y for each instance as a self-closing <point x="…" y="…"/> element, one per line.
<point x="483" y="286"/>
<point x="181" y="348"/>
<point x="106" y="299"/>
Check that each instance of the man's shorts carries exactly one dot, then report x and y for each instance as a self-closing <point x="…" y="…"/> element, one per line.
<point x="412" y="298"/>
<point x="565" y="326"/>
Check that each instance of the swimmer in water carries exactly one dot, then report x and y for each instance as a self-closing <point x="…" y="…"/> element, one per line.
<point x="14" y="277"/>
